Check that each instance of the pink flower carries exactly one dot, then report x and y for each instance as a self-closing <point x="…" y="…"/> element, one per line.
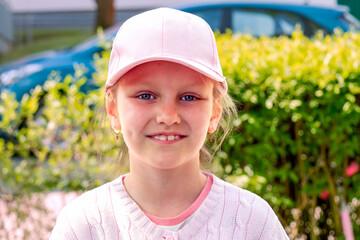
<point x="324" y="194"/>
<point x="352" y="169"/>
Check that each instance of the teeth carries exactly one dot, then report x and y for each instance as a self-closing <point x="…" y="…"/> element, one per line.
<point x="166" y="138"/>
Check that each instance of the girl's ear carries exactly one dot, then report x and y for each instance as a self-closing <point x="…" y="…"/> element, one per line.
<point x="112" y="111"/>
<point x="215" y="118"/>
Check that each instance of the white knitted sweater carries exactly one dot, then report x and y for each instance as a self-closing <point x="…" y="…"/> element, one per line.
<point x="108" y="212"/>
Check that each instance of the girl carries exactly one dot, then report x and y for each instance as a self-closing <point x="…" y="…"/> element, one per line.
<point x="165" y="92"/>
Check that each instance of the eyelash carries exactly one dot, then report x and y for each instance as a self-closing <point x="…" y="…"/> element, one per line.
<point x="141" y="96"/>
<point x="193" y="97"/>
<point x="151" y="97"/>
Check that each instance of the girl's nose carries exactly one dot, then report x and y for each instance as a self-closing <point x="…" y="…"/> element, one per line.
<point x="168" y="114"/>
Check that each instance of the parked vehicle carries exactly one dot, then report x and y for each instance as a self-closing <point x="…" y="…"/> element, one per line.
<point x="274" y="19"/>
<point x="255" y="18"/>
<point x="25" y="74"/>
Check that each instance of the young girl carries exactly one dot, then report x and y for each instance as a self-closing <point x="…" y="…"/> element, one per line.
<point x="165" y="92"/>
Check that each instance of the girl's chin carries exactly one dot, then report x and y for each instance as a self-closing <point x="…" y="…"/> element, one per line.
<point x="168" y="163"/>
<point x="166" y="159"/>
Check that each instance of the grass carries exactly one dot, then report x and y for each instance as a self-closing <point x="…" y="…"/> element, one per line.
<point x="46" y="39"/>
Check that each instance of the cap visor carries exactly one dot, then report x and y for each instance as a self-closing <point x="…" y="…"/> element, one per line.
<point x="183" y="61"/>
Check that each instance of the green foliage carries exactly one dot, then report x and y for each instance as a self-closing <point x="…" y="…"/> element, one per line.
<point x="57" y="139"/>
<point x="296" y="133"/>
<point x="299" y="121"/>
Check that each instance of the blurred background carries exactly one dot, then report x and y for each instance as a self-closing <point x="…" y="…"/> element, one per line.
<point x="23" y="21"/>
<point x="292" y="66"/>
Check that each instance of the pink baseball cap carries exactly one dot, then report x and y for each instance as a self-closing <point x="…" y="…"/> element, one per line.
<point x="168" y="35"/>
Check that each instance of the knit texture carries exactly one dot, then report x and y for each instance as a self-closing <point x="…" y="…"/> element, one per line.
<point x="108" y="212"/>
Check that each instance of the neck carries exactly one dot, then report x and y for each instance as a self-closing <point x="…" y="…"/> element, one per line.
<point x="164" y="192"/>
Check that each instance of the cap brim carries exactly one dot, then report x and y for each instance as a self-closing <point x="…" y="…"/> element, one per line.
<point x="183" y="61"/>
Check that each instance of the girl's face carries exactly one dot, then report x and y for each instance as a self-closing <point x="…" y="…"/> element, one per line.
<point x="164" y="111"/>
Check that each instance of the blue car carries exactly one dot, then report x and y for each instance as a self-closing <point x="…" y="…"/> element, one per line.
<point x="274" y="19"/>
<point x="258" y="19"/>
<point x="25" y="74"/>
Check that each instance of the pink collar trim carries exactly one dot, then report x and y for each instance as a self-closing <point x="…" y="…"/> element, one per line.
<point x="188" y="212"/>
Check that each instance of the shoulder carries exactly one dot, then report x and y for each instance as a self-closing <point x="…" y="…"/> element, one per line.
<point x="87" y="202"/>
<point x="253" y="214"/>
<point x="245" y="198"/>
<point x="86" y="215"/>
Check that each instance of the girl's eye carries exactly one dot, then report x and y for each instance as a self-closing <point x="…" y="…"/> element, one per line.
<point x="146" y="96"/>
<point x="188" y="98"/>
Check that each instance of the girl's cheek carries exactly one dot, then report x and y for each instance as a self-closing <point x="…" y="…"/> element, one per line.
<point x="199" y="118"/>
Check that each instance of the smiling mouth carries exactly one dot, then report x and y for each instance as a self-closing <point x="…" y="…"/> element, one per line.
<point x="167" y="138"/>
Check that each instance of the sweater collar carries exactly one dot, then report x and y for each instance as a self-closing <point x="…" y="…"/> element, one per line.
<point x="123" y="203"/>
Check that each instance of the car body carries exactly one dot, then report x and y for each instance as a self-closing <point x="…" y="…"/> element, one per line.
<point x="26" y="73"/>
<point x="255" y="18"/>
<point x="274" y="19"/>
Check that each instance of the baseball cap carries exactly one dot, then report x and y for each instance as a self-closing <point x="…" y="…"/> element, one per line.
<point x="165" y="34"/>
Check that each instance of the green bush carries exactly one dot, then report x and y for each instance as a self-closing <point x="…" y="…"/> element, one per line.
<point x="299" y="124"/>
<point x="295" y="136"/>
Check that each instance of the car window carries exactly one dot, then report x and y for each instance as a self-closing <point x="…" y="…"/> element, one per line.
<point x="211" y="16"/>
<point x="288" y="21"/>
<point x="272" y="22"/>
<point x="253" y="22"/>
<point x="313" y="28"/>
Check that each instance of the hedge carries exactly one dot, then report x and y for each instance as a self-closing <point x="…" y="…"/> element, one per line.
<point x="296" y="140"/>
<point x="300" y="122"/>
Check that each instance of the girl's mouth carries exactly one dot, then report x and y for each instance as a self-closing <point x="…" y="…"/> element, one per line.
<point x="166" y="138"/>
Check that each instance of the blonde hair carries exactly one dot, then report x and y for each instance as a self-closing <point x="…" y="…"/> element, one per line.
<point x="228" y="114"/>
